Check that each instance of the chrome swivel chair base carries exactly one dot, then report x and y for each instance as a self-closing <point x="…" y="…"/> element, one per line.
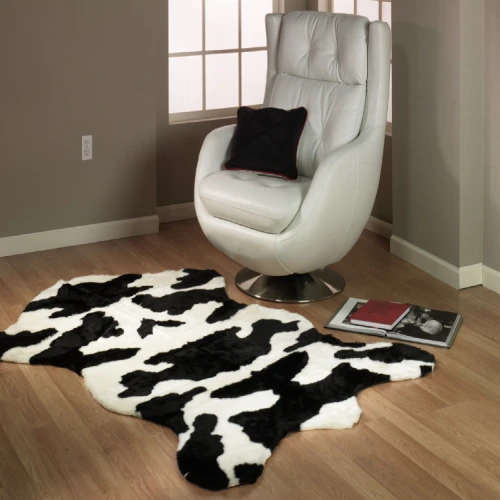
<point x="295" y="288"/>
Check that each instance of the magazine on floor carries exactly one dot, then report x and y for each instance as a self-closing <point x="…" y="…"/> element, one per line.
<point x="421" y="325"/>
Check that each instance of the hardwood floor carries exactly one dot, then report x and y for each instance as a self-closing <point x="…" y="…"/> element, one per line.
<point x="438" y="437"/>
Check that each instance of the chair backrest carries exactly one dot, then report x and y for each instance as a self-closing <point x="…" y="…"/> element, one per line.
<point x="320" y="61"/>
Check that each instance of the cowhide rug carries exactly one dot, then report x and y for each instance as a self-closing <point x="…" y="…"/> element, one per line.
<point x="231" y="380"/>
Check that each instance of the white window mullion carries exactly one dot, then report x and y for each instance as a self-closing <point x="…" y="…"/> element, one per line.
<point x="240" y="62"/>
<point x="206" y="63"/>
<point x="204" y="55"/>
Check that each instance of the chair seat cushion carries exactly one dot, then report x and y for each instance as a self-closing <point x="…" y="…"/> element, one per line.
<point x="263" y="203"/>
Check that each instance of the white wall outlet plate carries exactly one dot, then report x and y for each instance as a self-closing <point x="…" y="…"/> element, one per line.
<point x="86" y="147"/>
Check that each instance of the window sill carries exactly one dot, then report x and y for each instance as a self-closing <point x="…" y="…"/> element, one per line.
<point x="202" y="120"/>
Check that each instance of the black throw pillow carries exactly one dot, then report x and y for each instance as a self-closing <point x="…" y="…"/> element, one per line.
<point x="266" y="141"/>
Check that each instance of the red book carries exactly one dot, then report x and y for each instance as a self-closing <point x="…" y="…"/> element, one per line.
<point x="379" y="314"/>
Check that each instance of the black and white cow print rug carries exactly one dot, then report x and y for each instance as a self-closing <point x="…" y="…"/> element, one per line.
<point x="231" y="380"/>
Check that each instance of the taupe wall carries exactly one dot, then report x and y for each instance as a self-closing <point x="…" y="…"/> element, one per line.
<point x="316" y="4"/>
<point x="471" y="132"/>
<point x="292" y="5"/>
<point x="426" y="96"/>
<point x="180" y="144"/>
<point x="69" y="69"/>
<point x="492" y="135"/>
<point x="437" y="149"/>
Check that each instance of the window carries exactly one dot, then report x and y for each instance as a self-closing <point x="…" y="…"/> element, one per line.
<point x="217" y="56"/>
<point x="375" y="10"/>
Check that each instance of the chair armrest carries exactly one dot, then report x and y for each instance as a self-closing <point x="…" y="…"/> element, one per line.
<point x="337" y="206"/>
<point x="214" y="152"/>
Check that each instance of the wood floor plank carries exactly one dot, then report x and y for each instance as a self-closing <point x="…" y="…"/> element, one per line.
<point x="17" y="290"/>
<point x="475" y="440"/>
<point x="41" y="469"/>
<point x="116" y="436"/>
<point x="316" y="448"/>
<point x="26" y="400"/>
<point x="70" y="425"/>
<point x="400" y="475"/>
<point x="437" y="443"/>
<point x="412" y="398"/>
<point x="77" y="482"/>
<point x="451" y="390"/>
<point x="15" y="481"/>
<point x="437" y="437"/>
<point x="425" y="459"/>
<point x="482" y="383"/>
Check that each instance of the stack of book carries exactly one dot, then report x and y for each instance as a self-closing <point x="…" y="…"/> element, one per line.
<point x="397" y="321"/>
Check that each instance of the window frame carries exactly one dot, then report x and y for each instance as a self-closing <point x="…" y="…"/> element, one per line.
<point x="215" y="114"/>
<point x="329" y="6"/>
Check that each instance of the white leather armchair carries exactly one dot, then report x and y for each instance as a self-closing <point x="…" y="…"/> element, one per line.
<point x="337" y="67"/>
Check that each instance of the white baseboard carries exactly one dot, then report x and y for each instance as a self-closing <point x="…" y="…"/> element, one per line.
<point x="173" y="213"/>
<point x="469" y="276"/>
<point x="457" y="277"/>
<point x="58" y="238"/>
<point x="424" y="260"/>
<point x="491" y="279"/>
<point x="379" y="227"/>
